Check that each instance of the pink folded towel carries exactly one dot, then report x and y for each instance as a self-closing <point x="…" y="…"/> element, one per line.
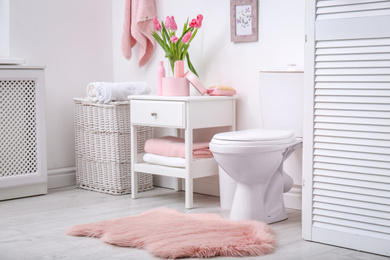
<point x="172" y="146"/>
<point x="138" y="26"/>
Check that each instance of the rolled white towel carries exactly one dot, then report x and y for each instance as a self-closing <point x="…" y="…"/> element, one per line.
<point x="91" y="89"/>
<point x="110" y="91"/>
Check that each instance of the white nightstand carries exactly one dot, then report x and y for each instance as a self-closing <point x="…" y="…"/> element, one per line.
<point x="188" y="113"/>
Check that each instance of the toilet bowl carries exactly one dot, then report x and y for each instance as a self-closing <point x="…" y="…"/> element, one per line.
<point x="254" y="159"/>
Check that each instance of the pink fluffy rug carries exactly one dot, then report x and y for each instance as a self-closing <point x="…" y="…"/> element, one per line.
<point x="166" y="233"/>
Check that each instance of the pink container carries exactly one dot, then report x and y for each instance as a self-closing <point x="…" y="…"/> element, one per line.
<point x="195" y="82"/>
<point x="175" y="87"/>
<point x="160" y="76"/>
<point x="179" y="69"/>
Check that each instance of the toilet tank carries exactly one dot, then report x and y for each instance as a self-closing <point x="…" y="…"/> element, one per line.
<point x="281" y="99"/>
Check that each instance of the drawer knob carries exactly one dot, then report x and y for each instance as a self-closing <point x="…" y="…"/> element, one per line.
<point x="153" y="114"/>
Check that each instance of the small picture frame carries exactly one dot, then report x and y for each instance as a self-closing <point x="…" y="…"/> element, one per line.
<point x="243" y="20"/>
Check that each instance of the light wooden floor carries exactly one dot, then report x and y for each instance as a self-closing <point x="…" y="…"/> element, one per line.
<point x="34" y="228"/>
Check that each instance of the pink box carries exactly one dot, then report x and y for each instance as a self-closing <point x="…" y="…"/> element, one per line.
<point x="175" y="87"/>
<point x="195" y="82"/>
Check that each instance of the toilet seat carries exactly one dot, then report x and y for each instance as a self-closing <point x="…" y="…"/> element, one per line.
<point x="254" y="137"/>
<point x="252" y="141"/>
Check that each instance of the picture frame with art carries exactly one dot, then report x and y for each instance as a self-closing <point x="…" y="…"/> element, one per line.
<point x="243" y="21"/>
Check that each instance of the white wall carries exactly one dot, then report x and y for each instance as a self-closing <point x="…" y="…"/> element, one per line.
<point x="4" y="29"/>
<point x="79" y="42"/>
<point x="219" y="61"/>
<point x="73" y="39"/>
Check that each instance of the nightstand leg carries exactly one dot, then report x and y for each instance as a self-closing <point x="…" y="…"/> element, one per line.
<point x="177" y="184"/>
<point x="189" y="193"/>
<point x="134" y="153"/>
<point x="134" y="185"/>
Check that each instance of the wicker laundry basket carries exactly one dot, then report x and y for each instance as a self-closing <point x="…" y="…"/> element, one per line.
<point x="102" y="143"/>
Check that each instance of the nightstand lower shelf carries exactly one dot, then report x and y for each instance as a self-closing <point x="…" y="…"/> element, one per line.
<point x="185" y="113"/>
<point x="201" y="168"/>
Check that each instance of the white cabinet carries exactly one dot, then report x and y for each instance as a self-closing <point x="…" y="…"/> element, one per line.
<point x="346" y="171"/>
<point x="23" y="170"/>
<point x="187" y="113"/>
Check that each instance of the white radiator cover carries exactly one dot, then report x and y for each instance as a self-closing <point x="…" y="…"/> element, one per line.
<point x="23" y="169"/>
<point x="347" y="133"/>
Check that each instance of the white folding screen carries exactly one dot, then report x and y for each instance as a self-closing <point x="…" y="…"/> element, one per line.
<point x="346" y="178"/>
<point x="23" y="169"/>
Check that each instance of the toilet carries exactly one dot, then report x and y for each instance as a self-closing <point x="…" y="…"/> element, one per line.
<point x="253" y="158"/>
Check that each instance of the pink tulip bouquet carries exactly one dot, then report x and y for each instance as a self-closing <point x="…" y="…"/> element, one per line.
<point x="176" y="48"/>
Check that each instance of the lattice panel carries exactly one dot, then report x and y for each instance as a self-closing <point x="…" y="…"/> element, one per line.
<point x="18" y="128"/>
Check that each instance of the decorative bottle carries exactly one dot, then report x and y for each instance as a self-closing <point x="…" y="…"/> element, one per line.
<point x="160" y="76"/>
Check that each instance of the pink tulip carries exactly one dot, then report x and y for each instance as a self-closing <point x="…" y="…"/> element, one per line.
<point x="193" y="23"/>
<point x="199" y="20"/>
<point x="186" y="37"/>
<point x="157" y="25"/>
<point x="196" y="23"/>
<point x="170" y="23"/>
<point x="174" y="39"/>
<point x="173" y="25"/>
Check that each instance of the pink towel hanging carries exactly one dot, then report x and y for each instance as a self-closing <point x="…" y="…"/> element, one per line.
<point x="128" y="41"/>
<point x="137" y="27"/>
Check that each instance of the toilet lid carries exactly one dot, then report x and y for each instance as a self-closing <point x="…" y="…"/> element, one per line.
<point x="257" y="135"/>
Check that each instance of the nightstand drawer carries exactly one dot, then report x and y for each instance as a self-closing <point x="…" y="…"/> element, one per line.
<point x="158" y="113"/>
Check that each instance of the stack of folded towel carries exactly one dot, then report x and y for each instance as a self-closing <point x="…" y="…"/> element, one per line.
<point x="105" y="92"/>
<point x="170" y="151"/>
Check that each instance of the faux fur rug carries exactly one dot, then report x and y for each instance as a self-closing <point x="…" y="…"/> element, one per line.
<point x="166" y="233"/>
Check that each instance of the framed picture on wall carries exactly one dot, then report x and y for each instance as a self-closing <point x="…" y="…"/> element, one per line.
<point x="243" y="20"/>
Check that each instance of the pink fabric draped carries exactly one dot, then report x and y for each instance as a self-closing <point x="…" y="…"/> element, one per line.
<point x="137" y="27"/>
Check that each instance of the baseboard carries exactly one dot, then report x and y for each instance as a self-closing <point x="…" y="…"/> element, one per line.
<point x="23" y="191"/>
<point x="293" y="198"/>
<point x="56" y="178"/>
<point x="64" y="177"/>
<point x="61" y="177"/>
<point x="164" y="181"/>
<point x="210" y="186"/>
<point x="207" y="185"/>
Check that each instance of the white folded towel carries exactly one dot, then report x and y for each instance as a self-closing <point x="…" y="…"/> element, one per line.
<point x="91" y="89"/>
<point x="111" y="91"/>
<point x="164" y="160"/>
